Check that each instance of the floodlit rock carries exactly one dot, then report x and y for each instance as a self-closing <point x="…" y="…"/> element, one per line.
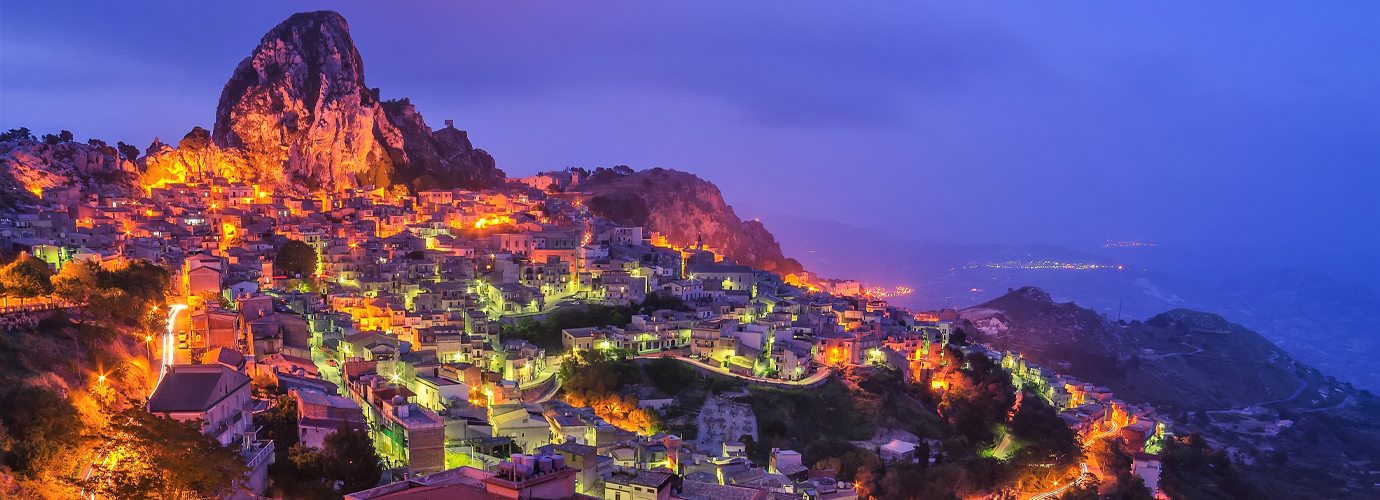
<point x="685" y="209"/>
<point x="299" y="100"/>
<point x="28" y="168"/>
<point x="299" y="105"/>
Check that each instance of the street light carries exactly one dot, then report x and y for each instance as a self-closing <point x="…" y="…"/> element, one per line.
<point x="148" y="351"/>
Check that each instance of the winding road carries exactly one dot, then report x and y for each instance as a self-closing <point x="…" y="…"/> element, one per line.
<point x="1060" y="490"/>
<point x="109" y="453"/>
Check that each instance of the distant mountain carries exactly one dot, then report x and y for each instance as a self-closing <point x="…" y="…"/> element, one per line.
<point x="686" y="209"/>
<point x="1289" y="430"/>
<point x="1320" y="319"/>
<point x="1181" y="358"/>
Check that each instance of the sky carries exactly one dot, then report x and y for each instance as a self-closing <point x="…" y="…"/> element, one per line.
<point x="1250" y="128"/>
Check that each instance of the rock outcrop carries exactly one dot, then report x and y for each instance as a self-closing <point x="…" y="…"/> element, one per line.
<point x="444" y="158"/>
<point x="685" y="209"/>
<point x="299" y="106"/>
<point x="28" y="168"/>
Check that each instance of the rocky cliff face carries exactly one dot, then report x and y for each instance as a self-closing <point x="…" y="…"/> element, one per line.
<point x="29" y="167"/>
<point x="685" y="209"/>
<point x="444" y="158"/>
<point x="298" y="112"/>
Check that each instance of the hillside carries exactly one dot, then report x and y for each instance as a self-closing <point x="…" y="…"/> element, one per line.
<point x="686" y="209"/>
<point x="1273" y="427"/>
<point x="28" y="166"/>
<point x="1181" y="358"/>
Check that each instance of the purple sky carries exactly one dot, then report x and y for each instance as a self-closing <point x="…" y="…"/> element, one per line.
<point x="1250" y="127"/>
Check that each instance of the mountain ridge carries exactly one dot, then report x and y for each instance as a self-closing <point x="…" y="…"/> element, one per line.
<point x="1180" y="358"/>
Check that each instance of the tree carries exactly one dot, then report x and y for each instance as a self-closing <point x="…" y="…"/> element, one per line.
<point x="348" y="456"/>
<point x="297" y="258"/>
<point x="40" y="430"/>
<point x="25" y="279"/>
<point x="65" y="136"/>
<point x="214" y="299"/>
<point x="130" y="152"/>
<point x="279" y="423"/>
<point x="749" y="445"/>
<point x="958" y="337"/>
<point x="157" y="454"/>
<point x="77" y="282"/>
<point x="18" y="134"/>
<point x="669" y="375"/>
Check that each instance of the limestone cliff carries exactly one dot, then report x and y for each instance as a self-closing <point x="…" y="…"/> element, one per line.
<point x="28" y="167"/>
<point x="444" y="158"/>
<point x="299" y="105"/>
<point x="685" y="209"/>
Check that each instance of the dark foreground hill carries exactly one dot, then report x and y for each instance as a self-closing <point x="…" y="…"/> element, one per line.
<point x="1273" y="427"/>
<point x="1181" y="358"/>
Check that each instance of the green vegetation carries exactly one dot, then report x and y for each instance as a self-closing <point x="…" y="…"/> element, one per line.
<point x="1114" y="455"/>
<point x="669" y="376"/>
<point x="17" y="134"/>
<point x="42" y="431"/>
<point x="347" y="457"/>
<point x="25" y="278"/>
<point x="296" y="258"/>
<point x="972" y="414"/>
<point x="593" y="379"/>
<point x="1192" y="469"/>
<point x="547" y="333"/>
<point x="69" y="390"/>
<point x="153" y="458"/>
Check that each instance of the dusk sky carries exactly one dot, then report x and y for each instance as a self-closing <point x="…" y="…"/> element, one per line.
<point x="1247" y="126"/>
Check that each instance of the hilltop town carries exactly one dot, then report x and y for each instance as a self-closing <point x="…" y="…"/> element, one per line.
<point x="323" y="297"/>
<point x="441" y="323"/>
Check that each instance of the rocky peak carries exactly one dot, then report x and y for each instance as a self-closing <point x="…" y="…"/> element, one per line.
<point x="1191" y="320"/>
<point x="1033" y="294"/>
<point x="300" y="114"/>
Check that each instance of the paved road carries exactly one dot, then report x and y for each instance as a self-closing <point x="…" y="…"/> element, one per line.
<point x="1252" y="408"/>
<point x="1060" y="490"/>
